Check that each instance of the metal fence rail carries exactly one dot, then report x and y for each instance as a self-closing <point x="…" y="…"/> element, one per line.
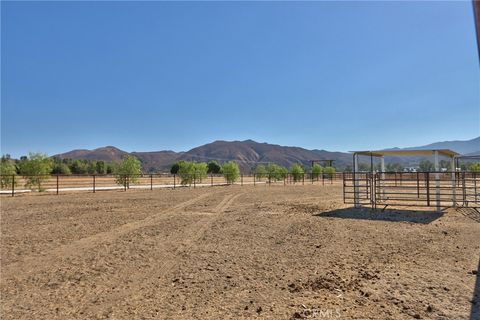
<point x="14" y="184"/>
<point x="417" y="189"/>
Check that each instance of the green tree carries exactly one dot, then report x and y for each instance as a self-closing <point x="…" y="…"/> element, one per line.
<point x="329" y="172"/>
<point x="175" y="167"/>
<point x="8" y="171"/>
<point x="36" y="169"/>
<point x="475" y="167"/>
<point x="60" y="168"/>
<point x="214" y="167"/>
<point x="101" y="167"/>
<point x="316" y="170"/>
<point x="231" y="171"/>
<point x="186" y="170"/>
<point x="260" y="172"/>
<point x="92" y="167"/>
<point x="426" y="165"/>
<point x="78" y="167"/>
<point x="127" y="170"/>
<point x="297" y="172"/>
<point x="201" y="169"/>
<point x="394" y="167"/>
<point x="276" y="172"/>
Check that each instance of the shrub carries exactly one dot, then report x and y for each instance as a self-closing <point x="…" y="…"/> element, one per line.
<point x="231" y="171"/>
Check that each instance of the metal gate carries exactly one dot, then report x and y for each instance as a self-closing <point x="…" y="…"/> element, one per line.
<point x="412" y="189"/>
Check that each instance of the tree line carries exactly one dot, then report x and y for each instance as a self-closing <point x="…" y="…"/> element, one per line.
<point x="37" y="167"/>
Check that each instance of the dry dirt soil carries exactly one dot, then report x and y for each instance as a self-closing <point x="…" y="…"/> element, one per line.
<point x="233" y="253"/>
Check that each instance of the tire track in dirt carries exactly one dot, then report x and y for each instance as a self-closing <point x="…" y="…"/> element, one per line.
<point x="185" y="242"/>
<point x="77" y="247"/>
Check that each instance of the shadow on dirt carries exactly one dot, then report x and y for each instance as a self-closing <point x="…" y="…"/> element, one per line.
<point x="392" y="215"/>
<point x="475" y="314"/>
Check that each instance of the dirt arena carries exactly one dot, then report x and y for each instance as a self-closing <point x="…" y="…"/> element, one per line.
<point x="233" y="253"/>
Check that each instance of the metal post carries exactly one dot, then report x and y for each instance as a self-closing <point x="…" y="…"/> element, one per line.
<point x="13" y="185"/>
<point x="174" y="182"/>
<point x="194" y="180"/>
<point x="437" y="181"/>
<point x="356" y="199"/>
<point x="427" y="176"/>
<point x="125" y="183"/>
<point x="382" y="177"/>
<point x="93" y="183"/>
<point x="475" y="186"/>
<point x="241" y="179"/>
<point x="57" y="183"/>
<point x="454" y="191"/>
<point x="211" y="180"/>
<point x="284" y="181"/>
<point x="254" y="178"/>
<point x="151" y="181"/>
<point x="418" y="186"/>
<point x="303" y="179"/>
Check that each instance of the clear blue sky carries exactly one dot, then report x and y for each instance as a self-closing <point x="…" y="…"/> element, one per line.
<point x="163" y="75"/>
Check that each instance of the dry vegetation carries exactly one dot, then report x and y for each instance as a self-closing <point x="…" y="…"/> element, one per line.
<point x="232" y="252"/>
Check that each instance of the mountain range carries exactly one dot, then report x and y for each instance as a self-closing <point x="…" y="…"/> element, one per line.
<point x="249" y="153"/>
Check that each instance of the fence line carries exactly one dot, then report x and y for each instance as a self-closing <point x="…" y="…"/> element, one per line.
<point x="13" y="184"/>
<point x="416" y="189"/>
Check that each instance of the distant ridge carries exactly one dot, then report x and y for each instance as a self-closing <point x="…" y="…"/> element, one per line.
<point x="249" y="153"/>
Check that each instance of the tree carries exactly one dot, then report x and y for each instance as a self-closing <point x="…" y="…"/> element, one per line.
<point x="260" y="171"/>
<point x="316" y="170"/>
<point x="78" y="167"/>
<point x="231" y="171"/>
<point x="201" y="169"/>
<point x="190" y="172"/>
<point x="186" y="170"/>
<point x="475" y="167"/>
<point x="329" y="172"/>
<point x="276" y="172"/>
<point x="175" y="167"/>
<point x="8" y="171"/>
<point x="91" y="167"/>
<point x="101" y="167"/>
<point x="297" y="172"/>
<point x="60" y="168"/>
<point x="128" y="170"/>
<point x="214" y="167"/>
<point x="36" y="169"/>
<point x="426" y="165"/>
<point x="394" y="167"/>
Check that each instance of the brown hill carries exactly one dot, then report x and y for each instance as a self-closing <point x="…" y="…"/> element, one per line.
<point x="108" y="153"/>
<point x="246" y="153"/>
<point x="249" y="153"/>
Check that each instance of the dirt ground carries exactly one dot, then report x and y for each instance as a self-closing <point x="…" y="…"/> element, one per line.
<point x="233" y="253"/>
